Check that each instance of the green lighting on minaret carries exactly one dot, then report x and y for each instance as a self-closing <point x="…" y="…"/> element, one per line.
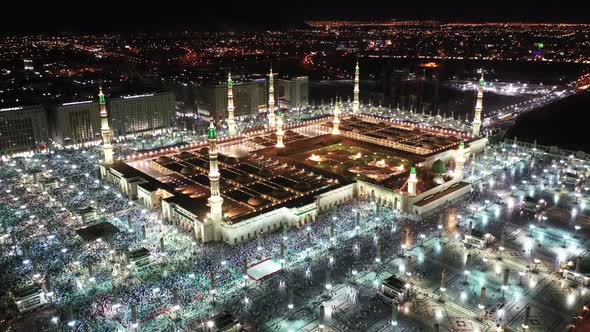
<point x="212" y="134"/>
<point x="482" y="82"/>
<point x="356" y="69"/>
<point x="462" y="144"/>
<point x="413" y="170"/>
<point x="280" y="113"/>
<point x="100" y="95"/>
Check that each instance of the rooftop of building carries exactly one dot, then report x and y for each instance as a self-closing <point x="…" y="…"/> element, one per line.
<point x="394" y="283"/>
<point x="267" y="178"/>
<point x="352" y="160"/>
<point x="250" y="186"/>
<point x="20" y="109"/>
<point x="409" y="137"/>
<point x="451" y="189"/>
<point x="26" y="291"/>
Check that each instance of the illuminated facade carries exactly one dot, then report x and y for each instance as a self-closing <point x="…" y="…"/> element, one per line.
<point x="22" y="128"/>
<point x="294" y="92"/>
<point x="76" y="122"/>
<point x="141" y="113"/>
<point x="249" y="98"/>
<point x="233" y="196"/>
<point x="478" y="108"/>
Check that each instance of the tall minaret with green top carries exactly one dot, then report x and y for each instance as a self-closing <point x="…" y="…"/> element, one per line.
<point x="412" y="182"/>
<point x="213" y="224"/>
<point x="271" y="100"/>
<point x="478" y="107"/>
<point x="336" y="121"/>
<point x="231" y="123"/>
<point x="460" y="161"/>
<point x="355" y="102"/>
<point x="280" y="132"/>
<point x="105" y="130"/>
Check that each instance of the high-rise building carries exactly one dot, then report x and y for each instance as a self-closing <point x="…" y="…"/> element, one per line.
<point x="74" y="123"/>
<point x="249" y="99"/>
<point x="294" y="92"/>
<point x="23" y="128"/>
<point x="28" y="65"/>
<point x="140" y="113"/>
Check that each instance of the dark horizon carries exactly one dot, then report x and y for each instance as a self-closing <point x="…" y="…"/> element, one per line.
<point x="129" y="17"/>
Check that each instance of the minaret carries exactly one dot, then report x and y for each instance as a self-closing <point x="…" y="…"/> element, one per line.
<point x="280" y="132"/>
<point x="355" y="102"/>
<point x="271" y="100"/>
<point x="460" y="161"/>
<point x="215" y="200"/>
<point x="336" y="121"/>
<point x="478" y="107"/>
<point x="412" y="182"/>
<point x="231" y="123"/>
<point x="105" y="131"/>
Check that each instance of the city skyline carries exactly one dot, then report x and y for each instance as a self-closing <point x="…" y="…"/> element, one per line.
<point x="279" y="168"/>
<point x="131" y="17"/>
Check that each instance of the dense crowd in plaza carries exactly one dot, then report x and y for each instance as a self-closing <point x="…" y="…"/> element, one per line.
<point x="38" y="233"/>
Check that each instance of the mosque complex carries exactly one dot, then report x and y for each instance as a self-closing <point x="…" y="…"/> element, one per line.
<point x="234" y="188"/>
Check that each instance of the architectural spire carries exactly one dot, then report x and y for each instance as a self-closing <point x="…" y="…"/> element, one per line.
<point x="336" y="121"/>
<point x="478" y="107"/>
<point x="280" y="132"/>
<point x="105" y="130"/>
<point x="412" y="182"/>
<point x="271" y="100"/>
<point x="231" y="123"/>
<point x="460" y="161"/>
<point x="212" y="133"/>
<point x="213" y="224"/>
<point x="356" y="103"/>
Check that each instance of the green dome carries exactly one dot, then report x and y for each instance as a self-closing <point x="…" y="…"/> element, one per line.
<point x="438" y="167"/>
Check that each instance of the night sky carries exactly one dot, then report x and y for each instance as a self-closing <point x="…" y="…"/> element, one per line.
<point x="162" y="16"/>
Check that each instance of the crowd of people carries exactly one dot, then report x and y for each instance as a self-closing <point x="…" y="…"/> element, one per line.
<point x="40" y="223"/>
